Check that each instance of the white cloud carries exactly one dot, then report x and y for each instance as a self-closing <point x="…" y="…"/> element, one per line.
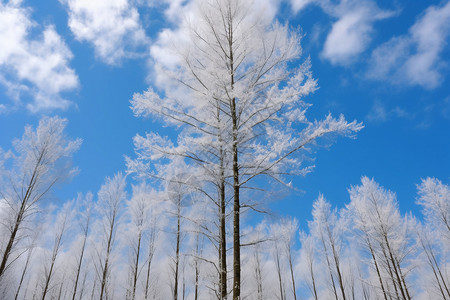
<point x="111" y="26"/>
<point x="39" y="67"/>
<point x="379" y="113"/>
<point x="298" y="5"/>
<point x="351" y="33"/>
<point x="349" y="37"/>
<point x="415" y="58"/>
<point x="164" y="50"/>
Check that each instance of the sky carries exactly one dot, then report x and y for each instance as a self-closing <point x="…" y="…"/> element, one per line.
<point x="384" y="63"/>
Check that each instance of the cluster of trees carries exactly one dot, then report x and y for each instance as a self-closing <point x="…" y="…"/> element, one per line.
<point x="158" y="244"/>
<point x="233" y="94"/>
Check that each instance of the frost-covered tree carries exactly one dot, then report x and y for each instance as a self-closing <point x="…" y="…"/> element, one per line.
<point x="328" y="231"/>
<point x="40" y="160"/>
<point x="237" y="100"/>
<point x="385" y="234"/>
<point x="84" y="211"/>
<point x="60" y="225"/>
<point x="140" y="231"/>
<point x="284" y="234"/>
<point x="433" y="237"/>
<point x="435" y="201"/>
<point x="111" y="196"/>
<point x="308" y="264"/>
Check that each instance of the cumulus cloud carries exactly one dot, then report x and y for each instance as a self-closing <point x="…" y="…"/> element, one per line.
<point x="351" y="32"/>
<point x="38" y="67"/>
<point x="113" y="28"/>
<point x="415" y="58"/>
<point x="164" y="50"/>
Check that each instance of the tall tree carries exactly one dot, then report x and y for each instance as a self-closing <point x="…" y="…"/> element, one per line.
<point x="385" y="233"/>
<point x="435" y="201"/>
<point x="41" y="160"/>
<point x="327" y="228"/>
<point x="84" y="222"/>
<point x="110" y="199"/>
<point x="235" y="64"/>
<point x="60" y="224"/>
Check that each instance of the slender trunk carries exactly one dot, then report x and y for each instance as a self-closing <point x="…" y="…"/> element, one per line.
<point x="337" y="265"/>
<point x="236" y="220"/>
<point x="291" y="268"/>
<point x="49" y="276"/>
<point x="197" y="275"/>
<point x="151" y="251"/>
<point x="83" y="286"/>
<point x="80" y="262"/>
<point x="389" y="269"/>
<point x="329" y="268"/>
<point x="236" y="185"/>
<point x="313" y="279"/>
<point x="56" y="248"/>
<point x="22" y="277"/>
<point x="258" y="275"/>
<point x="61" y="287"/>
<point x="223" y="238"/>
<point x="376" y="267"/>
<point x="396" y="267"/>
<point x="177" y="254"/>
<point x="222" y="216"/>
<point x="136" y="266"/>
<point x="11" y="241"/>
<point x="431" y="261"/>
<point x="108" y="252"/>
<point x="278" y="266"/>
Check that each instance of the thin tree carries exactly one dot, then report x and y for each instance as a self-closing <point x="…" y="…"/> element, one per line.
<point x="435" y="201"/>
<point x="234" y="57"/>
<point x="61" y="227"/>
<point x="425" y="238"/>
<point x="84" y="222"/>
<point x="110" y="199"/>
<point x="326" y="228"/>
<point x="41" y="160"/>
<point x="309" y="257"/>
<point x="386" y="230"/>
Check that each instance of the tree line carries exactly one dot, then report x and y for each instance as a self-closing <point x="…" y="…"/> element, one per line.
<point x="144" y="242"/>
<point x="232" y="92"/>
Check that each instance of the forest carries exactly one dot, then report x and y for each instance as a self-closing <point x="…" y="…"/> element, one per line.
<point x="187" y="218"/>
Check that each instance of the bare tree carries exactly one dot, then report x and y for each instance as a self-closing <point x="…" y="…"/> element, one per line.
<point x="234" y="61"/>
<point x="387" y="233"/>
<point x="309" y="254"/>
<point x="41" y="160"/>
<point x="435" y="201"/>
<point x="84" y="222"/>
<point x="284" y="234"/>
<point x="326" y="228"/>
<point x="61" y="227"/>
<point x="109" y="205"/>
<point x="430" y="251"/>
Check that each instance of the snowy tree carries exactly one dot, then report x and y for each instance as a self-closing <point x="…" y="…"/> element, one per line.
<point x="84" y="221"/>
<point x="60" y="225"/>
<point x="141" y="229"/>
<point x="111" y="196"/>
<point x="238" y="102"/>
<point x="385" y="234"/>
<point x="435" y="201"/>
<point x="40" y="160"/>
<point x="434" y="236"/>
<point x="328" y="231"/>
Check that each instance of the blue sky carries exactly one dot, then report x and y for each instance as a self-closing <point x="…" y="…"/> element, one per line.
<point x="385" y="63"/>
